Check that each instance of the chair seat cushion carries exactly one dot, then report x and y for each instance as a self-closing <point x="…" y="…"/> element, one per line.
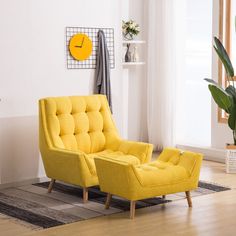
<point x="114" y="155"/>
<point x="160" y="173"/>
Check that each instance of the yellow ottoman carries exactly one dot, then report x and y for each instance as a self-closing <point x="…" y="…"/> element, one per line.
<point x="174" y="171"/>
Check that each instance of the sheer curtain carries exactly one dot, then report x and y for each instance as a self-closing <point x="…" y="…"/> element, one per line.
<point x="178" y="58"/>
<point x="161" y="71"/>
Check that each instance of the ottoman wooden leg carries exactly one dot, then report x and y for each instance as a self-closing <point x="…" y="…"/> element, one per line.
<point x="108" y="201"/>
<point x="51" y="185"/>
<point x="188" y="198"/>
<point x="85" y="195"/>
<point x="164" y="196"/>
<point x="132" y="209"/>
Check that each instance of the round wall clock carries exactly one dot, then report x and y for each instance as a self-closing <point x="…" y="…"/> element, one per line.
<point x="80" y="46"/>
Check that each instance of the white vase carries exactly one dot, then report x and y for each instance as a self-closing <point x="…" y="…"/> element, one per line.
<point x="128" y="36"/>
<point x="135" y="54"/>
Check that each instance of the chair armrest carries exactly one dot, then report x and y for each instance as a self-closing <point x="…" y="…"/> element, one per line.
<point x="115" y="177"/>
<point x="65" y="153"/>
<point x="143" y="151"/>
<point x="65" y="165"/>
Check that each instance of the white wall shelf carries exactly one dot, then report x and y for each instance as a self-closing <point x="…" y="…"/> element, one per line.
<point x="133" y="41"/>
<point x="136" y="63"/>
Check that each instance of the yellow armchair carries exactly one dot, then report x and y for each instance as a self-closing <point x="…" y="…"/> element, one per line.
<point x="174" y="171"/>
<point x="73" y="131"/>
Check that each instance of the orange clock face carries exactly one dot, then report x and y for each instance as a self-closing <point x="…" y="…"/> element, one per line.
<point x="80" y="47"/>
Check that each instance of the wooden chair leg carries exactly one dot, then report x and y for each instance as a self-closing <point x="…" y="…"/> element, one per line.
<point x="85" y="195"/>
<point x="108" y="201"/>
<point x="188" y="198"/>
<point x="132" y="209"/>
<point x="51" y="185"/>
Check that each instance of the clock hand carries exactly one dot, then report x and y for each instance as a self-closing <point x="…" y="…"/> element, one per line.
<point x="77" y="46"/>
<point x="82" y="42"/>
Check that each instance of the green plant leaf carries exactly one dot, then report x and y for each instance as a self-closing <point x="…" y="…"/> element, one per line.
<point x="232" y="118"/>
<point x="232" y="91"/>
<point x="223" y="55"/>
<point x="211" y="81"/>
<point x="221" y="97"/>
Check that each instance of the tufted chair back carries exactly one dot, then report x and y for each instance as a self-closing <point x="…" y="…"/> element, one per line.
<point x="77" y="123"/>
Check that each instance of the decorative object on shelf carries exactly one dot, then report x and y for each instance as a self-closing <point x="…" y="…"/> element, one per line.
<point x="80" y="46"/>
<point x="135" y="56"/>
<point x="130" y="29"/>
<point x="79" y="62"/>
<point x="128" y="54"/>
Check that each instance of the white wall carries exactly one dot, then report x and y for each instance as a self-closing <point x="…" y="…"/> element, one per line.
<point x="33" y="65"/>
<point x="220" y="133"/>
<point x="136" y="77"/>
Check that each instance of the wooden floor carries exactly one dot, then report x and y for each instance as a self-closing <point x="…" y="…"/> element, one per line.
<point x="213" y="214"/>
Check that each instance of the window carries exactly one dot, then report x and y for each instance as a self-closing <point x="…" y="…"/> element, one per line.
<point x="228" y="37"/>
<point x="193" y="111"/>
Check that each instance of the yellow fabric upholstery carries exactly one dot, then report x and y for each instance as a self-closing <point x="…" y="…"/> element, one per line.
<point x="174" y="171"/>
<point x="74" y="130"/>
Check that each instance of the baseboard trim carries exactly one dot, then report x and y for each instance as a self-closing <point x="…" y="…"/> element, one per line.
<point x="24" y="182"/>
<point x="210" y="154"/>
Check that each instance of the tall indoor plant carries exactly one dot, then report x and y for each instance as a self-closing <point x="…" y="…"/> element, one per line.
<point x="225" y="98"/>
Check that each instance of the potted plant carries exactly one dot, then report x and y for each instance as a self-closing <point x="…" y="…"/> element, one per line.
<point x="130" y="29"/>
<point x="225" y="98"/>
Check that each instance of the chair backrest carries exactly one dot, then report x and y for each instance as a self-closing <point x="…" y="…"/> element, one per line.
<point x="76" y="123"/>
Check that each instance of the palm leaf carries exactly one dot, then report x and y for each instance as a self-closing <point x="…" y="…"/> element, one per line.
<point x="221" y="97"/>
<point x="232" y="118"/>
<point x="232" y="91"/>
<point x="211" y="81"/>
<point x="223" y="55"/>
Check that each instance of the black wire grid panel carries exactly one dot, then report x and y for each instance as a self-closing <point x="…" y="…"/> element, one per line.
<point x="90" y="63"/>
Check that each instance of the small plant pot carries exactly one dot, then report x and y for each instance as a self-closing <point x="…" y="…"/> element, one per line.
<point x="230" y="146"/>
<point x="230" y="159"/>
